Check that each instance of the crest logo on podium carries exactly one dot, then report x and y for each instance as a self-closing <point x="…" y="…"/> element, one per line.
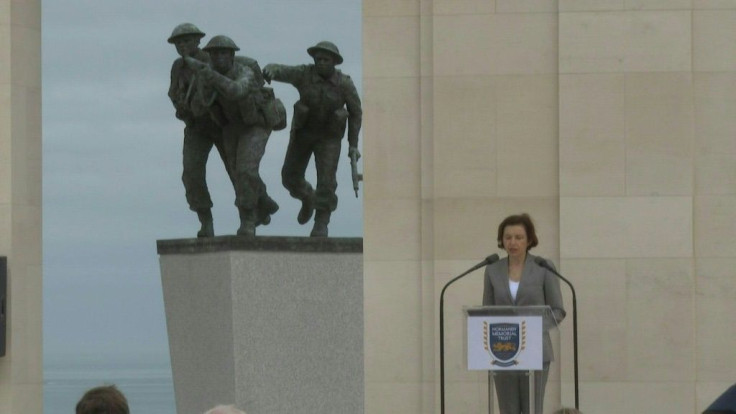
<point x="504" y="342"/>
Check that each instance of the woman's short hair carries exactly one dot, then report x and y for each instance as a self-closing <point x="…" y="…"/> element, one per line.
<point x="103" y="400"/>
<point x="518" y="219"/>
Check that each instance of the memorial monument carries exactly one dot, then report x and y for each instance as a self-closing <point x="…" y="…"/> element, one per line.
<point x="270" y="324"/>
<point x="223" y="102"/>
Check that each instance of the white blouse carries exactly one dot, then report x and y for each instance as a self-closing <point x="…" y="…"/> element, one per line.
<point x="514" y="287"/>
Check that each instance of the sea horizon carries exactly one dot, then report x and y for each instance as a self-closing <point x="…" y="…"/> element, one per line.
<point x="146" y="381"/>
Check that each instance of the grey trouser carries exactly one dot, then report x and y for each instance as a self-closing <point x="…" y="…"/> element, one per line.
<point x="512" y="389"/>
<point x="199" y="136"/>
<point x="244" y="147"/>
<point x="302" y="145"/>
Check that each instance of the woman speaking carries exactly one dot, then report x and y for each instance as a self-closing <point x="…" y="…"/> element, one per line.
<point x="518" y="281"/>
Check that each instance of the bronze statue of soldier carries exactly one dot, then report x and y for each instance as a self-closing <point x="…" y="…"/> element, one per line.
<point x="200" y="132"/>
<point x="328" y="100"/>
<point x="231" y="90"/>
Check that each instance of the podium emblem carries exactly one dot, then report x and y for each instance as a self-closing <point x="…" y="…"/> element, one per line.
<point x="504" y="342"/>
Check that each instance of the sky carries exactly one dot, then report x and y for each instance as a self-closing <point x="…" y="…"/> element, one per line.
<point x="112" y="156"/>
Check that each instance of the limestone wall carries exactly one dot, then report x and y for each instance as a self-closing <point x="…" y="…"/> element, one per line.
<point x="612" y="124"/>
<point x="21" y="370"/>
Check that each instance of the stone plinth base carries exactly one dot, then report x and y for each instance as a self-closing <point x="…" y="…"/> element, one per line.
<point x="273" y="325"/>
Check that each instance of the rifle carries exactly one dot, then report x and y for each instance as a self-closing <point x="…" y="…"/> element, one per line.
<point x="357" y="177"/>
<point x="197" y="66"/>
<point x="194" y="64"/>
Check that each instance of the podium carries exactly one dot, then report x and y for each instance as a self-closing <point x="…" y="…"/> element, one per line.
<point x="519" y="347"/>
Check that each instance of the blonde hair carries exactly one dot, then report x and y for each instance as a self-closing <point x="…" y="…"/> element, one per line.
<point x="224" y="409"/>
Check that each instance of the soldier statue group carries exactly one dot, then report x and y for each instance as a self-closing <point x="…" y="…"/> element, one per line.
<point x="222" y="99"/>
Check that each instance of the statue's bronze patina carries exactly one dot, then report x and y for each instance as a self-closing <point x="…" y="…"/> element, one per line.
<point x="200" y="132"/>
<point x="223" y="100"/>
<point x="328" y="100"/>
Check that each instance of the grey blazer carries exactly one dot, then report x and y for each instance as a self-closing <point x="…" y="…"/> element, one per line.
<point x="538" y="286"/>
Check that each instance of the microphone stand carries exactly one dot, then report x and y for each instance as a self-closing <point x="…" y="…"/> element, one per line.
<point x="488" y="260"/>
<point x="542" y="262"/>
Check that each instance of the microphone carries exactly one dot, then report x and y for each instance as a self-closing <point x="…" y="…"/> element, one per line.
<point x="545" y="264"/>
<point x="487" y="261"/>
<point x="492" y="259"/>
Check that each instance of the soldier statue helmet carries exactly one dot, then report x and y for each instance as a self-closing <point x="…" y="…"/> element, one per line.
<point x="222" y="53"/>
<point x="221" y="42"/>
<point x="185" y="29"/>
<point x="328" y="47"/>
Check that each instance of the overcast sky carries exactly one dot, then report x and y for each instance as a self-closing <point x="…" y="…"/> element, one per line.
<point x="112" y="155"/>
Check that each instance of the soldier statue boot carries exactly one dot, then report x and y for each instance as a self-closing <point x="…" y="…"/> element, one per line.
<point x="307" y="209"/>
<point x="266" y="207"/>
<point x="247" y="222"/>
<point x="205" y="218"/>
<point x="321" y="220"/>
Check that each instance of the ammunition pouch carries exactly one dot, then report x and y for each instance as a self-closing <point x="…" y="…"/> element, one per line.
<point x="273" y="110"/>
<point x="299" y="119"/>
<point x="337" y="123"/>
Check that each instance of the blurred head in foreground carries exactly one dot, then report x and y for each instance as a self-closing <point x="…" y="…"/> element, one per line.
<point x="103" y="400"/>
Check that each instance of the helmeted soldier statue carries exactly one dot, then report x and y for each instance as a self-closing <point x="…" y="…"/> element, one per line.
<point x="231" y="91"/>
<point x="327" y="99"/>
<point x="200" y="132"/>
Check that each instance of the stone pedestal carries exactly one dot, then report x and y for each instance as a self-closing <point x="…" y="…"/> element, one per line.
<point x="270" y="324"/>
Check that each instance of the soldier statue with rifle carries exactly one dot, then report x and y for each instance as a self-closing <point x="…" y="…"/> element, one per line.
<point x="328" y="100"/>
